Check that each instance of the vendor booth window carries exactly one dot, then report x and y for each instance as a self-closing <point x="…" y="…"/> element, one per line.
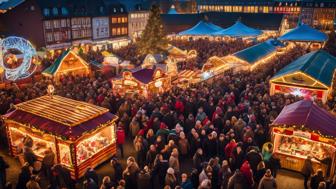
<point x="94" y="144"/>
<point x="64" y="153"/>
<point x="302" y="147"/>
<point x="39" y="146"/>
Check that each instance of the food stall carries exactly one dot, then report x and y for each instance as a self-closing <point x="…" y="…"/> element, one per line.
<point x="143" y="81"/>
<point x="81" y="135"/>
<point x="310" y="76"/>
<point x="303" y="129"/>
<point x="68" y="63"/>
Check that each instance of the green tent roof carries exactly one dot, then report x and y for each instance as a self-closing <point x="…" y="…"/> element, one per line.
<point x="259" y="51"/>
<point x="320" y="65"/>
<point x="53" y="68"/>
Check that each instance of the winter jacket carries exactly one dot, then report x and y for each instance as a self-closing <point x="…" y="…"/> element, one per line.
<point x="183" y="145"/>
<point x="144" y="180"/>
<point x="267" y="182"/>
<point x="120" y="136"/>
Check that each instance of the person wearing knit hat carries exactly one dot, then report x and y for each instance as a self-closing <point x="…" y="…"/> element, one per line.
<point x="170" y="178"/>
<point x="268" y="182"/>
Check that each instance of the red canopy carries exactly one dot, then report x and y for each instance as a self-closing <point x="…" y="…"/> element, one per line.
<point x="306" y="113"/>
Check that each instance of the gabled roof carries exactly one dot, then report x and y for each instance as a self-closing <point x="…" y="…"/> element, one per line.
<point x="319" y="65"/>
<point x="51" y="70"/>
<point x="9" y="4"/>
<point x="259" y="51"/>
<point x="306" y="113"/>
<point x="239" y="30"/>
<point x="201" y="28"/>
<point x="59" y="116"/>
<point x="172" y="10"/>
<point x="144" y="75"/>
<point x="304" y="33"/>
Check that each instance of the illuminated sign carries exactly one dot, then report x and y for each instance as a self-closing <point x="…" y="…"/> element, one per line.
<point x="130" y="83"/>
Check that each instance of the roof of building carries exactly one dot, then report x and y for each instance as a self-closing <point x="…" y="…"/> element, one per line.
<point x="239" y="30"/>
<point x="60" y="116"/>
<point x="201" y="28"/>
<point x="308" y="114"/>
<point x="144" y="75"/>
<point x="175" y="23"/>
<point x="258" y="51"/>
<point x="172" y="10"/>
<point x="320" y="65"/>
<point x="6" y="5"/>
<point x="51" y="70"/>
<point x="304" y="33"/>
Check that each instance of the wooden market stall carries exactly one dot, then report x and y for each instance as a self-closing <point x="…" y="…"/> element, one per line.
<point x="82" y="135"/>
<point x="143" y="81"/>
<point x="312" y="75"/>
<point x="69" y="63"/>
<point x="303" y="129"/>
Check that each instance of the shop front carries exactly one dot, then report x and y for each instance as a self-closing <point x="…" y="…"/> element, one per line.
<point x="80" y="134"/>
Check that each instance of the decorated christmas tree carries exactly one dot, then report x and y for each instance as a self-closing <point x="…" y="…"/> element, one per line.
<point x="153" y="39"/>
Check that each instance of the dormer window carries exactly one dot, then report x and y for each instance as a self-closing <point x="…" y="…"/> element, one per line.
<point x="121" y="9"/>
<point x="64" y="11"/>
<point x="55" y="11"/>
<point x="101" y="9"/>
<point x="46" y="12"/>
<point x="114" y="10"/>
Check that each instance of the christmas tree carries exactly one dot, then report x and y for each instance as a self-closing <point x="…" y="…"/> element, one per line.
<point x="153" y="39"/>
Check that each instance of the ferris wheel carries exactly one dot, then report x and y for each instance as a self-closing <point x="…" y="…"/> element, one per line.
<point x="26" y="68"/>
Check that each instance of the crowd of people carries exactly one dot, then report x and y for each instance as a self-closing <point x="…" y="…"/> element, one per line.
<point x="210" y="135"/>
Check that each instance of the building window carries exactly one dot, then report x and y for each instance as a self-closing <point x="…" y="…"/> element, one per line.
<point x="49" y="37"/>
<point x="64" y="11"/>
<point x="121" y="9"/>
<point x="55" y="11"/>
<point x="119" y="20"/>
<point x="114" y="10"/>
<point x="47" y="24"/>
<point x="63" y="23"/>
<point x="114" y="31"/>
<point x="46" y="12"/>
<point x="56" y="24"/>
<point x="114" y="20"/>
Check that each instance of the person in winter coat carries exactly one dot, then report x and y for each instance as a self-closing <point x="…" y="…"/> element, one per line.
<point x="106" y="183"/>
<point x="3" y="167"/>
<point x="254" y="158"/>
<point x="118" y="170"/>
<point x="307" y="170"/>
<point x="89" y="183"/>
<point x="261" y="170"/>
<point x="183" y="145"/>
<point x="247" y="172"/>
<point x="130" y="173"/>
<point x="144" y="179"/>
<point x="274" y="164"/>
<point x="33" y="183"/>
<point x="185" y="182"/>
<point x="198" y="159"/>
<point x="120" y="140"/>
<point x="267" y="182"/>
<point x="150" y="156"/>
<point x="174" y="161"/>
<point x="238" y="181"/>
<point x="316" y="179"/>
<point x="159" y="170"/>
<point x="47" y="162"/>
<point x="24" y="176"/>
<point x="224" y="174"/>
<point x="170" y="178"/>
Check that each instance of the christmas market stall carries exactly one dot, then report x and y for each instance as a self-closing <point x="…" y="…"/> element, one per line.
<point x="143" y="81"/>
<point x="303" y="130"/>
<point x="81" y="135"/>
<point x="69" y="63"/>
<point x="311" y="76"/>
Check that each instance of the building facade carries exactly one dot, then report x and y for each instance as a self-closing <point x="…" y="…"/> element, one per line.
<point x="319" y="14"/>
<point x="100" y="28"/>
<point x="137" y="21"/>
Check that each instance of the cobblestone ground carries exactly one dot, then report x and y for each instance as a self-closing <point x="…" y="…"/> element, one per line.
<point x="285" y="179"/>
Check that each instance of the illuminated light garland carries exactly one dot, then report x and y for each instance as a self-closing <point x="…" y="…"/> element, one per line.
<point x="28" y="52"/>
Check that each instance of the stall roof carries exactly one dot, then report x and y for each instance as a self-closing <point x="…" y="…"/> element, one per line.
<point x="318" y="64"/>
<point x="60" y="116"/>
<point x="259" y="51"/>
<point x="239" y="30"/>
<point x="9" y="4"/>
<point x="144" y="75"/>
<point x="201" y="28"/>
<point x="172" y="10"/>
<point x="304" y="33"/>
<point x="51" y="70"/>
<point x="306" y="113"/>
